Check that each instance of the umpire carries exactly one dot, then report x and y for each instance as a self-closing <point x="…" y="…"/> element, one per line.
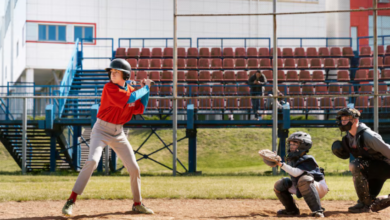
<point x="371" y="166"/>
<point x="256" y="82"/>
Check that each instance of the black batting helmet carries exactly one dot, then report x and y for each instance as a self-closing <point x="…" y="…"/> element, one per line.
<point x="121" y="65"/>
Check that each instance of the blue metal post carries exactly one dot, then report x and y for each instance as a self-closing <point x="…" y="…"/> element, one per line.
<point x="76" y="147"/>
<point x="53" y="153"/>
<point x="191" y="134"/>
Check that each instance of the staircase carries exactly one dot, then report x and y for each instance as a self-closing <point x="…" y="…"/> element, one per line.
<point x="85" y="83"/>
<point x="38" y="147"/>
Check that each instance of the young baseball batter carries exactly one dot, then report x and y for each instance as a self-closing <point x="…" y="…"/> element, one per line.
<point x="306" y="180"/>
<point x="119" y="103"/>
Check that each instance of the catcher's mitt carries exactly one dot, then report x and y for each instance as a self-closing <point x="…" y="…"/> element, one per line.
<point x="270" y="158"/>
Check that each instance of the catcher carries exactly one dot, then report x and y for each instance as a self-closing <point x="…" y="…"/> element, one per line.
<point x="307" y="179"/>
<point x="370" y="168"/>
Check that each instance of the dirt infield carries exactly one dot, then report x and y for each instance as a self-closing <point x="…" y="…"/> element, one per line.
<point x="175" y="209"/>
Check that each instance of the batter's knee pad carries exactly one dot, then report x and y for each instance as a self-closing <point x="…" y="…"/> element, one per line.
<point x="283" y="184"/>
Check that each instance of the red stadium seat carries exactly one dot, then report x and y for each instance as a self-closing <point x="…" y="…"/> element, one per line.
<point x="318" y="76"/>
<point x="204" y="76"/>
<point x="387" y="62"/>
<point x="204" y="104"/>
<point x="216" y="63"/>
<point x="387" y="50"/>
<point x="315" y="63"/>
<point x="181" y="105"/>
<point x="230" y="89"/>
<point x="312" y="103"/>
<point x="294" y="90"/>
<point x="292" y="76"/>
<point x="382" y="89"/>
<point x="265" y="63"/>
<point x="298" y="103"/>
<point x="348" y="52"/>
<point x="145" y="53"/>
<point x="330" y="63"/>
<point x="304" y="75"/>
<point x="154" y="75"/>
<point x="321" y="88"/>
<point x="289" y="63"/>
<point x="167" y="64"/>
<point x="271" y="53"/>
<point x="326" y="103"/>
<point x="371" y="101"/>
<point x="181" y="63"/>
<point x="157" y="53"/>
<point x="252" y="52"/>
<point x="228" y="63"/>
<point x="193" y="102"/>
<point x="241" y="63"/>
<point x="152" y="104"/>
<point x="192" y="76"/>
<point x="204" y="53"/>
<point x="141" y="75"/>
<point x="143" y="64"/>
<point x="280" y="62"/>
<point x="154" y="90"/>
<point x="240" y="52"/>
<point x="217" y="89"/>
<point x="218" y="104"/>
<point x="264" y="52"/>
<point x="245" y="103"/>
<point x="312" y="52"/>
<point x="343" y="76"/>
<point x="386" y="102"/>
<point x="334" y="89"/>
<point x="165" y="104"/>
<point x="381" y="50"/>
<point x="181" y="76"/>
<point x="385" y="75"/>
<point x="281" y="76"/>
<point x="307" y="89"/>
<point x="204" y="89"/>
<point x="340" y="103"/>
<point x="299" y="52"/>
<point x="133" y="63"/>
<point x="303" y="63"/>
<point x="133" y="53"/>
<point x="168" y="52"/>
<point x="216" y="52"/>
<point x="269" y="75"/>
<point x="347" y="89"/>
<point x="192" y="52"/>
<point x="181" y="52"/>
<point x="361" y="102"/>
<point x="167" y="76"/>
<point x="365" y="89"/>
<point x="365" y="51"/>
<point x="335" y="52"/>
<point x="242" y="76"/>
<point x="343" y="63"/>
<point x="217" y="76"/>
<point x="323" y="52"/>
<point x="155" y="64"/>
<point x="166" y="89"/>
<point x="192" y="89"/>
<point x="361" y="75"/>
<point x="243" y="89"/>
<point x="231" y="104"/>
<point x="365" y="62"/>
<point x="253" y="63"/>
<point x="371" y="75"/>
<point x="120" y="52"/>
<point x="204" y="63"/>
<point x="192" y="64"/>
<point x="228" y="52"/>
<point x="229" y="75"/>
<point x="287" y="52"/>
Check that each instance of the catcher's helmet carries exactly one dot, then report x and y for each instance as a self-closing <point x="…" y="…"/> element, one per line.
<point x="303" y="138"/>
<point x="122" y="65"/>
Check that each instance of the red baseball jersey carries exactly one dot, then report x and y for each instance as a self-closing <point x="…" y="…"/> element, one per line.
<point x="116" y="106"/>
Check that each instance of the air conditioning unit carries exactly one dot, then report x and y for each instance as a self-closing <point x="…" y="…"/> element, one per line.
<point x="383" y="1"/>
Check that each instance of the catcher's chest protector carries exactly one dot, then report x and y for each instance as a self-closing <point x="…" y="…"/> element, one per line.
<point x="308" y="163"/>
<point x="361" y="150"/>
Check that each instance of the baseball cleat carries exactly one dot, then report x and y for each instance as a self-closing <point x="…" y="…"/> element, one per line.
<point x="359" y="208"/>
<point x="142" y="209"/>
<point x="285" y="212"/>
<point x="67" y="209"/>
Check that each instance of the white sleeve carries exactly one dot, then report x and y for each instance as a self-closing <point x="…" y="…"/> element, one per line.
<point x="295" y="172"/>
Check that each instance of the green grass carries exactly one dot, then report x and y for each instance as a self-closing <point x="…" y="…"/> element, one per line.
<point x="220" y="151"/>
<point x="27" y="188"/>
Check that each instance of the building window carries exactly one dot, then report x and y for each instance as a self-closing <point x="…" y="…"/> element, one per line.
<point x="83" y="32"/>
<point x="51" y="33"/>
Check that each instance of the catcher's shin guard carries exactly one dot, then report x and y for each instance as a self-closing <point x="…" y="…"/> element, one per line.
<point x="360" y="182"/>
<point x="284" y="196"/>
<point x="309" y="193"/>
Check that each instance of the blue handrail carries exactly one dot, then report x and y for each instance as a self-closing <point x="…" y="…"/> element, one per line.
<point x="369" y="37"/>
<point x="152" y="39"/>
<point x="316" y="38"/>
<point x="233" y="38"/>
<point x="68" y="78"/>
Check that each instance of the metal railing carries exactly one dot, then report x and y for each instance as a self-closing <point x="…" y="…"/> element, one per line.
<point x="153" y="39"/>
<point x="87" y="42"/>
<point x="317" y="38"/>
<point x="245" y="39"/>
<point x="370" y="37"/>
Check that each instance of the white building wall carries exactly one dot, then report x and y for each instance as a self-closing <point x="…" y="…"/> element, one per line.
<point x="19" y="44"/>
<point x="153" y="18"/>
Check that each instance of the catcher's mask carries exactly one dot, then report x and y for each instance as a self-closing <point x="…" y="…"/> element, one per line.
<point x="346" y="112"/>
<point x="305" y="143"/>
